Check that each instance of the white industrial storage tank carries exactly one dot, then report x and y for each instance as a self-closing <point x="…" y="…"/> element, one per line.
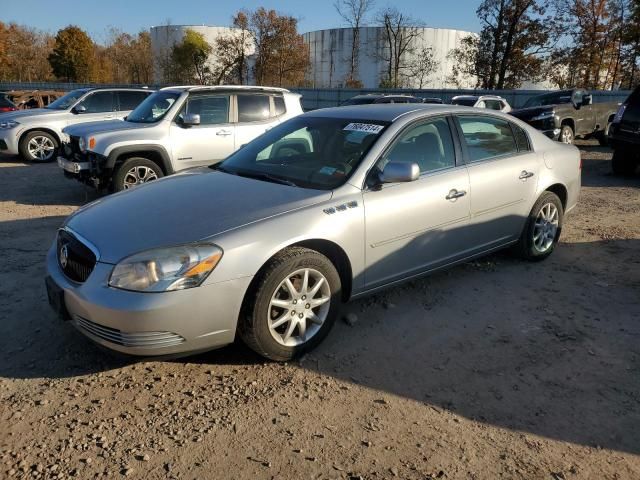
<point x="164" y="37"/>
<point x="330" y="54"/>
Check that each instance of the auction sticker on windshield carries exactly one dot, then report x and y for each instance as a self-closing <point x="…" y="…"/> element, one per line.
<point x="364" y="127"/>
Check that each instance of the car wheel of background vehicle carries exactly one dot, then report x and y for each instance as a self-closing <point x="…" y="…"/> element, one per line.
<point x="135" y="171"/>
<point x="622" y="162"/>
<point x="292" y="304"/>
<point x="38" y="147"/>
<point x="603" y="137"/>
<point x="542" y="230"/>
<point x="566" y="134"/>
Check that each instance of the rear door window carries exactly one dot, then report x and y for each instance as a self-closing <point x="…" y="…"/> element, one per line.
<point x="487" y="137"/>
<point x="130" y="100"/>
<point x="253" y="108"/>
<point x="280" y="108"/>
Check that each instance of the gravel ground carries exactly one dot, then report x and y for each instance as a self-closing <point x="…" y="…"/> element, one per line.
<point x="494" y="369"/>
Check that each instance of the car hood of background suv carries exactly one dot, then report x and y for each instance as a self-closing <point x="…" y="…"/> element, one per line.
<point x="530" y="112"/>
<point x="181" y="209"/>
<point x="100" y="126"/>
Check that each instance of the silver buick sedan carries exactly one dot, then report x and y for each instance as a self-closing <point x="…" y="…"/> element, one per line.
<point x="326" y="207"/>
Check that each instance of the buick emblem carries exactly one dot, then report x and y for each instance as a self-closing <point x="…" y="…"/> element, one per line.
<point x="64" y="256"/>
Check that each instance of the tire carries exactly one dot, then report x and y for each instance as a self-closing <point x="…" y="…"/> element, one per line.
<point x="38" y="147"/>
<point x="566" y="135"/>
<point x="135" y="171"/>
<point x="623" y="163"/>
<point x="603" y="137"/>
<point x="258" y="312"/>
<point x="530" y="246"/>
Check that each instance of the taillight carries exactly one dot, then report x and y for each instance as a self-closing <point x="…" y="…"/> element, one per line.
<point x="7" y="109"/>
<point x="619" y="113"/>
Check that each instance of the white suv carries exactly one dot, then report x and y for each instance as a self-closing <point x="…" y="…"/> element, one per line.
<point x="36" y="134"/>
<point x="174" y="129"/>
<point x="492" y="102"/>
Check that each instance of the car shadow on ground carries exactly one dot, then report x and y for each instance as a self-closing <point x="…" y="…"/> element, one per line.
<point x="599" y="168"/>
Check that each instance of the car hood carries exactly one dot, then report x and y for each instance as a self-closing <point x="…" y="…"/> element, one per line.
<point x="20" y="115"/>
<point x="91" y="128"/>
<point x="183" y="208"/>
<point x="530" y="112"/>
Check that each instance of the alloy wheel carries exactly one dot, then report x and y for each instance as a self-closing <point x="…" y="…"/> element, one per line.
<point x="546" y="227"/>
<point x="567" y="136"/>
<point x="41" y="148"/>
<point x="298" y="307"/>
<point x="139" y="175"/>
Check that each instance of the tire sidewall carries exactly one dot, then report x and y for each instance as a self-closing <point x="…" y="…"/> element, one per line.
<point x="24" y="149"/>
<point x="259" y="313"/>
<point x="530" y="251"/>
<point x="118" y="177"/>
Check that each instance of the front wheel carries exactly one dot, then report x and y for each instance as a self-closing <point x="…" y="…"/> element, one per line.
<point x="292" y="306"/>
<point x="135" y="171"/>
<point x="567" y="135"/>
<point x="38" y="147"/>
<point x="542" y="230"/>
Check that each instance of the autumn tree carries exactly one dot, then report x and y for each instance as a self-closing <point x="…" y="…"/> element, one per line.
<point x="354" y="13"/>
<point x="469" y="65"/>
<point x="399" y="34"/>
<point x="73" y="55"/>
<point x="231" y="52"/>
<point x="191" y="57"/>
<point x="281" y="57"/>
<point x="129" y="57"/>
<point x="631" y="46"/>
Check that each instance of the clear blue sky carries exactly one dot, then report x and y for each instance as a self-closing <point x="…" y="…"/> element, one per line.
<point x="134" y="15"/>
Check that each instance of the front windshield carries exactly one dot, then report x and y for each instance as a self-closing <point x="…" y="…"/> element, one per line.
<point x="549" y="99"/>
<point x="309" y="152"/>
<point x="153" y="108"/>
<point x="68" y="100"/>
<point x="466" y="102"/>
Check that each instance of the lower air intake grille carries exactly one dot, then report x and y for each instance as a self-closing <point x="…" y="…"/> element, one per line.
<point x="124" y="339"/>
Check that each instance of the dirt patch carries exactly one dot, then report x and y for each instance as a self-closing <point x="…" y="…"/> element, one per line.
<point x="496" y="368"/>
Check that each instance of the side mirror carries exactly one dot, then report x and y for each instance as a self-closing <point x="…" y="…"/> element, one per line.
<point x="191" y="119"/>
<point x="587" y="99"/>
<point x="395" y="172"/>
<point x="79" y="109"/>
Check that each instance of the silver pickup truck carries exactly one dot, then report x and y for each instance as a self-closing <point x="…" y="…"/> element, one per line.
<point x="36" y="134"/>
<point x="174" y="129"/>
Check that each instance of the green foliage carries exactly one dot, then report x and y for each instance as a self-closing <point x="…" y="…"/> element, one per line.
<point x="72" y="58"/>
<point x="190" y="58"/>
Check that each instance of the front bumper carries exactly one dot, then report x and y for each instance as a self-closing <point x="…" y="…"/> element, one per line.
<point x="149" y="324"/>
<point x="9" y="142"/>
<point x="73" y="167"/>
<point x="553" y="134"/>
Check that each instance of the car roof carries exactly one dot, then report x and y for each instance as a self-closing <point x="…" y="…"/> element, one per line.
<point x="387" y="112"/>
<point x="207" y="88"/>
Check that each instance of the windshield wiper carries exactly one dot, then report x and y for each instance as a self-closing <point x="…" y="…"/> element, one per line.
<point x="268" y="177"/>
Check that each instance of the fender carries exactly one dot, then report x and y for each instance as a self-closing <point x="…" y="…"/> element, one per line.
<point x="159" y="149"/>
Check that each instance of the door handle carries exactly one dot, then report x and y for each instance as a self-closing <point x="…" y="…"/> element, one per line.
<point x="453" y="194"/>
<point x="223" y="133"/>
<point x="524" y="175"/>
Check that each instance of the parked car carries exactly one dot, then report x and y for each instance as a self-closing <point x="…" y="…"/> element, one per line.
<point x="492" y="102"/>
<point x="371" y="98"/>
<point x="27" y="99"/>
<point x="174" y="129"/>
<point x="624" y="136"/>
<point x="568" y="114"/>
<point x="6" y="105"/>
<point x="328" y="206"/>
<point x="434" y="100"/>
<point x="36" y="134"/>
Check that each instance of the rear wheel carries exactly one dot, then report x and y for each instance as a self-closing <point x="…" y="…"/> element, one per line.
<point x="566" y="135"/>
<point x="38" y="147"/>
<point x="292" y="306"/>
<point x="542" y="230"/>
<point x="623" y="163"/>
<point x="136" y="171"/>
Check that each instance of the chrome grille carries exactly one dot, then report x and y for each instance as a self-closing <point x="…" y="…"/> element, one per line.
<point x="75" y="259"/>
<point x="129" y="339"/>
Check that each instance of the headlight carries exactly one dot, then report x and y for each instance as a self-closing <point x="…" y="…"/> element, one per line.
<point x="9" y="124"/>
<point x="542" y="116"/>
<point x="166" y="269"/>
<point x="85" y="144"/>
